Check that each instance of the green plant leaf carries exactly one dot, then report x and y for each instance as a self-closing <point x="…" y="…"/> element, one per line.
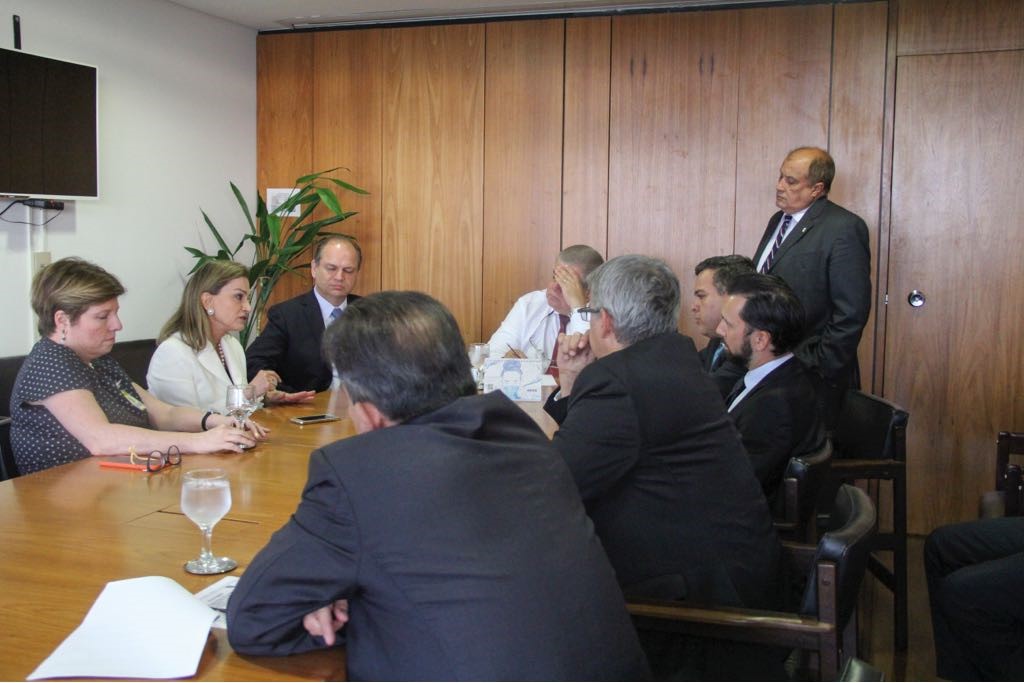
<point x="348" y="186"/>
<point x="245" y="207"/>
<point x="216" y="235"/>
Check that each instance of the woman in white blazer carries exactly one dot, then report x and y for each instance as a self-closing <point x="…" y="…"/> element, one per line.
<point x="198" y="358"/>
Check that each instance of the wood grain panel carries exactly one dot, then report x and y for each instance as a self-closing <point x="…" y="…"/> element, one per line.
<point x="855" y="133"/>
<point x="955" y="363"/>
<point x="347" y="99"/>
<point x="433" y="165"/>
<point x="585" y="144"/>
<point x="673" y="138"/>
<point x="522" y="161"/>
<point x="284" y="120"/>
<point x="942" y="26"/>
<point x="784" y="84"/>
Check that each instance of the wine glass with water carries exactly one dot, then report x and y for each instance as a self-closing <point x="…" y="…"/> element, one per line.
<point x="478" y="354"/>
<point x="205" y="499"/>
<point x="241" y="403"/>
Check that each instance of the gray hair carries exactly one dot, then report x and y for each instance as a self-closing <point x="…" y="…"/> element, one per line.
<point x="640" y="293"/>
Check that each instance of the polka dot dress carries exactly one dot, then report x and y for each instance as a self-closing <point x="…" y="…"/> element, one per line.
<point x="38" y="440"/>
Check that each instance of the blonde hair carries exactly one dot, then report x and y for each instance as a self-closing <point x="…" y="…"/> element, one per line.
<point x="71" y="285"/>
<point x="190" y="320"/>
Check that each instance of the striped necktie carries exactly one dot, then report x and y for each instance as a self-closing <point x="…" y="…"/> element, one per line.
<point x="783" y="229"/>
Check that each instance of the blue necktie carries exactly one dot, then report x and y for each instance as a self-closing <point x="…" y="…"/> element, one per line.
<point x="335" y="314"/>
<point x="717" y="357"/>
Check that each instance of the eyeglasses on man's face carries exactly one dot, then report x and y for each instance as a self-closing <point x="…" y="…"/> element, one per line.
<point x="586" y="311"/>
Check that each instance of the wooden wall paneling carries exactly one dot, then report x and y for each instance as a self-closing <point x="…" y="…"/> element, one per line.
<point x="347" y="132"/>
<point x="522" y="161"/>
<point x="433" y="165"/>
<point x="284" y="121"/>
<point x="942" y="26"/>
<point x="785" y="57"/>
<point x="585" y="144"/>
<point x="855" y="132"/>
<point x="956" y="235"/>
<point x="674" y="93"/>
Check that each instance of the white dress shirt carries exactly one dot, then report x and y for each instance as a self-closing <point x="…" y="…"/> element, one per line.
<point x="532" y="327"/>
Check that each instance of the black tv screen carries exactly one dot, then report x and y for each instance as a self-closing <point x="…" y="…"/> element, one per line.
<point x="47" y="127"/>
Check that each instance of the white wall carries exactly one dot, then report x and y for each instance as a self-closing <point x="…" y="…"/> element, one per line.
<point x="177" y="121"/>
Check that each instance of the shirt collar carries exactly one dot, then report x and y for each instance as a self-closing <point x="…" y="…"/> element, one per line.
<point x="753" y="377"/>
<point x="326" y="307"/>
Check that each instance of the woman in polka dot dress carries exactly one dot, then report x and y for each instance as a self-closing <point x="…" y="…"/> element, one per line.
<point x="71" y="401"/>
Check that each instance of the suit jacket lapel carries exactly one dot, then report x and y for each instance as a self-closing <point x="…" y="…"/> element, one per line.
<point x="314" y="318"/>
<point x="802" y="228"/>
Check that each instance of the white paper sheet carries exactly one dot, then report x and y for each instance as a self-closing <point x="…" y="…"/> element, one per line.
<point x="216" y="596"/>
<point x="148" y="627"/>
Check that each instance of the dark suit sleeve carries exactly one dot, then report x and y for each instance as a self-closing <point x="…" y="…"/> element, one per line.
<point x="598" y="436"/>
<point x="308" y="564"/>
<point x="269" y="349"/>
<point x="849" y="281"/>
<point x="766" y="427"/>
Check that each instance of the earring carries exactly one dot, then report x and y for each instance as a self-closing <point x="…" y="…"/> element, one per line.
<point x="209" y="311"/>
<point x="63" y="335"/>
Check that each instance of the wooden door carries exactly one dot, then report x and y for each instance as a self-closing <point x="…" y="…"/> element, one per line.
<point x="957" y="235"/>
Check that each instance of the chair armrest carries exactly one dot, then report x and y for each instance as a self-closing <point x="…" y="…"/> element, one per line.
<point x="735" y="624"/>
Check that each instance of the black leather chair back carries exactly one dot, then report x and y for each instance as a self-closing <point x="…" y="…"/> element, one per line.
<point x="809" y="474"/>
<point x="134" y="357"/>
<point x="870" y="427"/>
<point x="847" y="545"/>
<point x="9" y="368"/>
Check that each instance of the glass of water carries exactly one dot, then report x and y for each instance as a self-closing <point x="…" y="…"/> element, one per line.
<point x="205" y="499"/>
<point x="478" y="354"/>
<point x="240" y="403"/>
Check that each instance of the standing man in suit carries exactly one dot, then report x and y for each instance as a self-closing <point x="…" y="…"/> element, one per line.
<point x="775" y="404"/>
<point x="290" y="343"/>
<point x="714" y="275"/>
<point x="821" y="250"/>
<point x="446" y="541"/>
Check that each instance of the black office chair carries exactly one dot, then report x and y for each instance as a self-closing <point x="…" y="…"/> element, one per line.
<point x="870" y="443"/>
<point x="806" y="476"/>
<point x="824" y="623"/>
<point x="134" y="357"/>
<point x="1008" y="497"/>
<point x="9" y="368"/>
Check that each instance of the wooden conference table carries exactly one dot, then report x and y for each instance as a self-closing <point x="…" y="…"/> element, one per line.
<point x="65" y="532"/>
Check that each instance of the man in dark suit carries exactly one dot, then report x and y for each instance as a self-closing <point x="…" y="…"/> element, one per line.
<point x="821" y="250"/>
<point x="659" y="464"/>
<point x="974" y="571"/>
<point x="290" y="343"/>
<point x="447" y="540"/>
<point x="775" y="404"/>
<point x="713" y="277"/>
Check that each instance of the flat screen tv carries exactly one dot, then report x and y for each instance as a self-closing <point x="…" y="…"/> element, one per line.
<point x="47" y="127"/>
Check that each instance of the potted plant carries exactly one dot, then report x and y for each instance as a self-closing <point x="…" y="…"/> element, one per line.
<point x="278" y="244"/>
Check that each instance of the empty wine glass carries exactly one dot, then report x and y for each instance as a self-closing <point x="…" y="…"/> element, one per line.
<point x="478" y="354"/>
<point x="205" y="499"/>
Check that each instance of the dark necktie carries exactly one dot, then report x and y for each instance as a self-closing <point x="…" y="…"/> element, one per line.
<point x="777" y="244"/>
<point x="736" y="391"/>
<point x="563" y="322"/>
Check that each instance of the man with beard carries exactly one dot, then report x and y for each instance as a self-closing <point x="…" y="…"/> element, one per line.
<point x="775" y="404"/>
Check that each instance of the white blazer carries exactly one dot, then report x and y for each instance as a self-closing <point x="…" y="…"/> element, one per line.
<point x="180" y="376"/>
<point x="532" y="327"/>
